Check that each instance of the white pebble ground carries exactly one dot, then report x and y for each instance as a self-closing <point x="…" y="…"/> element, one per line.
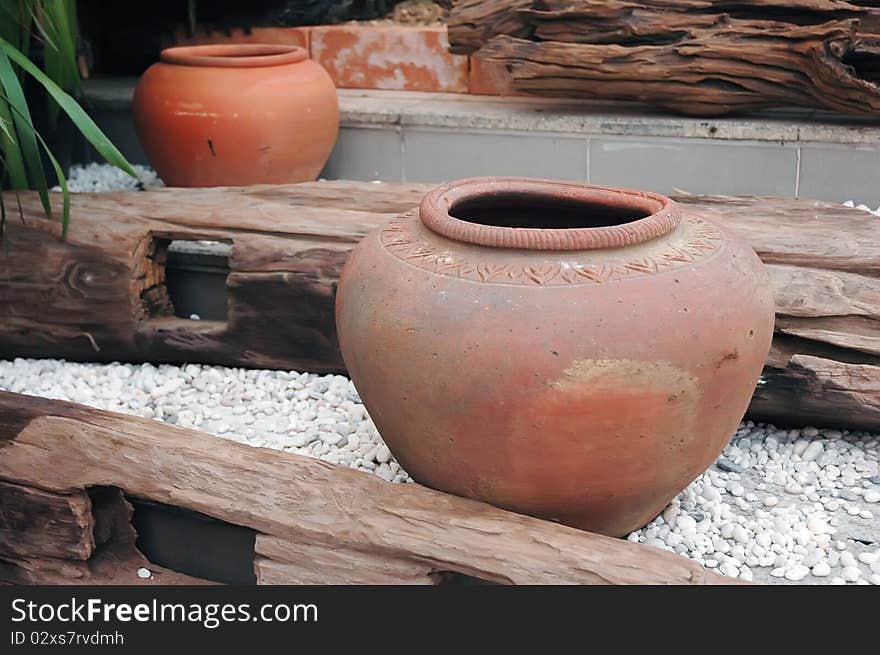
<point x="93" y="177"/>
<point x="779" y="505"/>
<point x="302" y="413"/>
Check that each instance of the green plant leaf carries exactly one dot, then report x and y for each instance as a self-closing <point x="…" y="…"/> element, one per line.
<point x="62" y="181"/>
<point x="5" y="129"/>
<point x="2" y="219"/>
<point x="2" y="201"/>
<point x="27" y="141"/>
<point x="76" y="113"/>
<point x="15" y="22"/>
<point x="14" y="164"/>
<point x="65" y="193"/>
<point x="59" y="54"/>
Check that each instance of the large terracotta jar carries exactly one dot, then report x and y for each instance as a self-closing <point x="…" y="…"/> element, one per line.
<point x="236" y="114"/>
<point x="573" y="352"/>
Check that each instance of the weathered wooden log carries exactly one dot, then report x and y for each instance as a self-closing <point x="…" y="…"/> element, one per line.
<point x="316" y="522"/>
<point x="691" y="56"/>
<point x="100" y="295"/>
<point x="473" y="22"/>
<point x="35" y="523"/>
<point x="78" y="538"/>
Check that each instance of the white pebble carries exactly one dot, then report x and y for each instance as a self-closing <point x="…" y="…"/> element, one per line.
<point x="383" y="454"/>
<point x="740" y="534"/>
<point x="812" y="451"/>
<point x="144" y="574"/>
<point x="686" y="522"/>
<point x="818" y="526"/>
<point x="729" y="569"/>
<point x="736" y="489"/>
<point x="821" y="570"/>
<point x="867" y="558"/>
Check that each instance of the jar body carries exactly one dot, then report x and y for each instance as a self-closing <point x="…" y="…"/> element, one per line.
<point x="583" y="386"/>
<point x="230" y="126"/>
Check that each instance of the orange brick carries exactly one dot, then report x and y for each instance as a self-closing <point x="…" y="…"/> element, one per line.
<point x="407" y="58"/>
<point x="490" y="78"/>
<point x="276" y="35"/>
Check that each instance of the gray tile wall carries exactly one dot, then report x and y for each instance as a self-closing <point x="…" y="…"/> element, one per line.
<point x="841" y="173"/>
<point x="695" y="166"/>
<point x="825" y="172"/>
<point x="366" y="153"/>
<point x="431" y="155"/>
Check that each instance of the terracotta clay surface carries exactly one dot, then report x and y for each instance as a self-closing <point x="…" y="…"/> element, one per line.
<point x="236" y="114"/>
<point x="389" y="57"/>
<point x="571" y="352"/>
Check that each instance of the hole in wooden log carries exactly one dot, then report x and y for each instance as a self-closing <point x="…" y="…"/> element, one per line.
<point x="866" y="64"/>
<point x="111" y="516"/>
<point x="187" y="279"/>
<point x="198" y="545"/>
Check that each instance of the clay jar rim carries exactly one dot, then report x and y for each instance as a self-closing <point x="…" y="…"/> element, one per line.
<point x="234" y="55"/>
<point x="663" y="214"/>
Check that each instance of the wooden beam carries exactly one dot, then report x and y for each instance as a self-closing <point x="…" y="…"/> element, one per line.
<point x="473" y="22"/>
<point x="695" y="57"/>
<point x="78" y="538"/>
<point x="36" y="523"/>
<point x="318" y="522"/>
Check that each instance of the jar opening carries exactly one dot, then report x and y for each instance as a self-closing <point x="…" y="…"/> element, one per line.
<point x="517" y="209"/>
<point x="546" y="214"/>
<point x="234" y="55"/>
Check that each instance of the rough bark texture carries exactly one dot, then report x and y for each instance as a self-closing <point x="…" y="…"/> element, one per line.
<point x="36" y="523"/>
<point x="100" y="296"/>
<point x="474" y="22"/>
<point x="76" y="538"/>
<point x="316" y="522"/>
<point x="696" y="57"/>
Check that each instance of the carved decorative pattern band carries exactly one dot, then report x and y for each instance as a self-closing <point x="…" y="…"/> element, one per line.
<point x="402" y="239"/>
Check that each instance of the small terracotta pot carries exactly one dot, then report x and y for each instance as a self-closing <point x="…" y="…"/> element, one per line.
<point x="236" y="114"/>
<point x="573" y="352"/>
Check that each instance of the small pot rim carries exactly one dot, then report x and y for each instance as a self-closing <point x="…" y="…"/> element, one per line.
<point x="234" y="55"/>
<point x="663" y="214"/>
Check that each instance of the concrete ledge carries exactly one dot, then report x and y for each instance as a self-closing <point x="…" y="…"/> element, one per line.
<point x="591" y="118"/>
